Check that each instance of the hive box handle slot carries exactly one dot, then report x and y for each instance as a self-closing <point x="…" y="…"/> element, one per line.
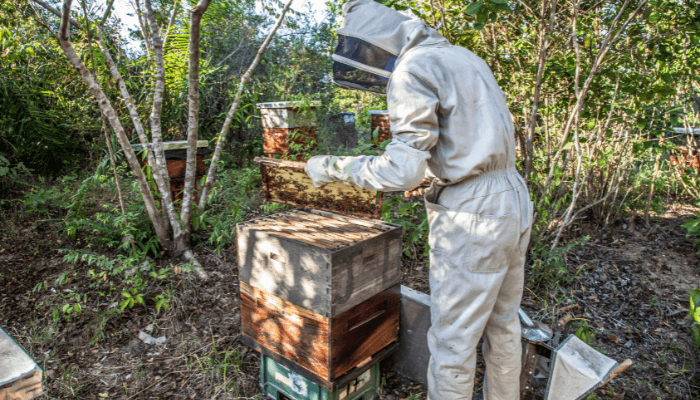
<point x="375" y="316"/>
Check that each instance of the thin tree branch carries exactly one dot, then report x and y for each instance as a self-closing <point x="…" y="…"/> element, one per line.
<point x="160" y="167"/>
<point x="107" y="12"/>
<point x="607" y="43"/>
<point x="57" y="13"/>
<point x="544" y="45"/>
<point x="229" y="116"/>
<point x="173" y="15"/>
<point x="104" y="124"/>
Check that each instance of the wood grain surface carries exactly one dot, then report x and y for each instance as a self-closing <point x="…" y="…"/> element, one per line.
<point x="277" y="140"/>
<point x="364" y="330"/>
<point x="291" y="331"/>
<point x="286" y="182"/>
<point x="26" y="388"/>
<point x="324" y="262"/>
<point x="326" y="347"/>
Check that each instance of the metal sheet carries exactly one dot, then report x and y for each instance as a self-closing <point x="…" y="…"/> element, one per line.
<point x="576" y="370"/>
<point x="533" y="331"/>
<point x="413" y="356"/>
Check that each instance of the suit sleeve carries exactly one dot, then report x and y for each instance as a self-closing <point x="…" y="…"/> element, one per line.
<point x="414" y="123"/>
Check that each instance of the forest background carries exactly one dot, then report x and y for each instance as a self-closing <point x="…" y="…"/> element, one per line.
<point x="603" y="96"/>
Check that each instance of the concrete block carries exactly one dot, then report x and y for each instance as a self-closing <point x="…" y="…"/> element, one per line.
<point x="20" y="376"/>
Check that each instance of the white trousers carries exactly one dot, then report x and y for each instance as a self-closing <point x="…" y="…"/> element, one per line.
<point x="479" y="233"/>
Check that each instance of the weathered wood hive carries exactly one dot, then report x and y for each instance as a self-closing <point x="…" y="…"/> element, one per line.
<point x="324" y="262"/>
<point x="285" y="123"/>
<point x="380" y="119"/>
<point x="319" y="289"/>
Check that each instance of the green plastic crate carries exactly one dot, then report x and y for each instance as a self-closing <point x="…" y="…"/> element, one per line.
<point x="280" y="383"/>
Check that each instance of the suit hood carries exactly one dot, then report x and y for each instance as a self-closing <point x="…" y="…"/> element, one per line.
<point x="373" y="37"/>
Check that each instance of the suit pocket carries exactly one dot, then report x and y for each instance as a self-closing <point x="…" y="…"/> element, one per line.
<point x="481" y="243"/>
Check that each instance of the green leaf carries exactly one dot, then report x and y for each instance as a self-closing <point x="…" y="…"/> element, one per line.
<point x="499" y="1"/>
<point x="479" y="26"/>
<point x="654" y="16"/>
<point x="505" y="7"/>
<point x="695" y="332"/>
<point x="124" y="304"/>
<point x="474" y="8"/>
<point x="695" y="305"/>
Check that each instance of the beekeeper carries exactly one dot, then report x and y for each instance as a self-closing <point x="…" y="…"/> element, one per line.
<point x="450" y="122"/>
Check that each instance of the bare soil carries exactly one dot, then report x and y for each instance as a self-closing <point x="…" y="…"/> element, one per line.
<point x="630" y="285"/>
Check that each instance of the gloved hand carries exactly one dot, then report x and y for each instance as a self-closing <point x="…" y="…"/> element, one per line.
<point x="317" y="169"/>
<point x="327" y="169"/>
<point x="418" y="190"/>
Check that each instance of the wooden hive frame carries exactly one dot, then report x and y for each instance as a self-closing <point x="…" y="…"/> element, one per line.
<point x="286" y="182"/>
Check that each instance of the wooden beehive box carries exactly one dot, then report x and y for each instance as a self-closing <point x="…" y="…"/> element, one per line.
<point x="286" y="182"/>
<point x="327" y="347"/>
<point x="380" y="119"/>
<point x="324" y="262"/>
<point x="284" y="123"/>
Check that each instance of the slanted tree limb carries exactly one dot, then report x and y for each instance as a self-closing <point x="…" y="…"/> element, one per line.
<point x="545" y="32"/>
<point x="192" y="121"/>
<point x="173" y="15"/>
<point x="108" y="11"/>
<point x="104" y="124"/>
<point x="107" y="109"/>
<point x="143" y="26"/>
<point x="229" y="116"/>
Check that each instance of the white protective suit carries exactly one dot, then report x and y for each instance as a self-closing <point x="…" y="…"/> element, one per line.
<point x="449" y="121"/>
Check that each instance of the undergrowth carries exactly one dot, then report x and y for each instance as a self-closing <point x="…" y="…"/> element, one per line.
<point x="410" y="214"/>
<point x="234" y="195"/>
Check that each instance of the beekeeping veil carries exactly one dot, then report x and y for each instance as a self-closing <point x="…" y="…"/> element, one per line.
<point x="373" y="37"/>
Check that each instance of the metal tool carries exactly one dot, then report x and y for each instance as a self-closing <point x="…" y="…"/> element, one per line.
<point x="533" y="331"/>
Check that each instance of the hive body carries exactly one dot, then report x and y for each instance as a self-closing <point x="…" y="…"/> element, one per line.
<point x="319" y="289"/>
<point x="324" y="262"/>
<point x="326" y="347"/>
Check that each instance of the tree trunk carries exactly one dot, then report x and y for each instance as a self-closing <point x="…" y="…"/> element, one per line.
<point x="192" y="125"/>
<point x="107" y="109"/>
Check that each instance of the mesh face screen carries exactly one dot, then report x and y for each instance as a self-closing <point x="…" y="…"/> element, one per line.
<point x="354" y="78"/>
<point x="365" y="53"/>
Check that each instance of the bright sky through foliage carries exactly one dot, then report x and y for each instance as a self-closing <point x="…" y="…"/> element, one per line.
<point x="125" y="11"/>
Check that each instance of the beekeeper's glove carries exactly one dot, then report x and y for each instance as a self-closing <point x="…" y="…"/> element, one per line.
<point x="327" y="169"/>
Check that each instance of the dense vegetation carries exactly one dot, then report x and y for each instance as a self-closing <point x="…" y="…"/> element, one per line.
<point x="595" y="89"/>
